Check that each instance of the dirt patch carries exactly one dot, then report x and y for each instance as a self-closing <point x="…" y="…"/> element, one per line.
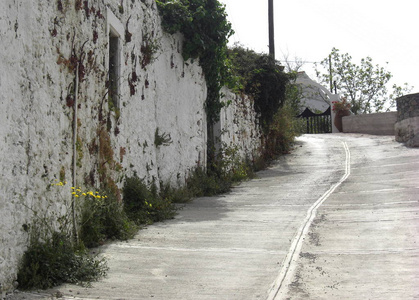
<point x="311" y="257"/>
<point x="314" y="238"/>
<point x="298" y="288"/>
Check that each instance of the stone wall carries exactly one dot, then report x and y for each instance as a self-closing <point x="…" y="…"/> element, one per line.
<point x="42" y="43"/>
<point x="238" y="126"/>
<point x="376" y="124"/>
<point x="407" y="125"/>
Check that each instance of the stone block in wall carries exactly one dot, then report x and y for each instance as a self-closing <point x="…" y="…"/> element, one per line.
<point x="407" y="131"/>
<point x="407" y="107"/>
<point x="407" y="126"/>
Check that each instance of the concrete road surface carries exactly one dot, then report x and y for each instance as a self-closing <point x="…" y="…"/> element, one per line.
<point x="336" y="219"/>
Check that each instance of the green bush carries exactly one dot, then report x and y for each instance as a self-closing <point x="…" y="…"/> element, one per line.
<point x="54" y="256"/>
<point x="207" y="183"/>
<point x="55" y="260"/>
<point x="227" y="168"/>
<point x="143" y="204"/>
<point x="261" y="78"/>
<point x="104" y="218"/>
<point x="282" y="132"/>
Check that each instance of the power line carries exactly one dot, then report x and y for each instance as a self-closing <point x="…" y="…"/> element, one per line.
<point x="300" y="61"/>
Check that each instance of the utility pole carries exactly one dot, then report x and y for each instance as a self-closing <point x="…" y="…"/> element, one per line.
<point x="330" y="74"/>
<point x="271" y="29"/>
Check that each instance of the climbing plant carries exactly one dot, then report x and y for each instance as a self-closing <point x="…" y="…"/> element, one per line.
<point x="261" y="78"/>
<point x="206" y="30"/>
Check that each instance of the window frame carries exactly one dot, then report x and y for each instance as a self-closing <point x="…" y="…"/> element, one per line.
<point x="115" y="30"/>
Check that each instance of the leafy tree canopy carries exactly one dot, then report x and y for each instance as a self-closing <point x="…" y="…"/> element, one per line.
<point x="364" y="84"/>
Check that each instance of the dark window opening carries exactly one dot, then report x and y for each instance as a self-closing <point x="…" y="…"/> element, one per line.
<point x="114" y="72"/>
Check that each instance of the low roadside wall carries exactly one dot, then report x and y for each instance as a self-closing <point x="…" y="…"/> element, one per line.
<point x="407" y="125"/>
<point x="376" y="124"/>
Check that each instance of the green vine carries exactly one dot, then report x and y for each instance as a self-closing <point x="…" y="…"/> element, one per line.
<point x="260" y="77"/>
<point x="206" y="29"/>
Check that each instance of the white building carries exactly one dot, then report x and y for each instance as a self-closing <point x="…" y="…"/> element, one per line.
<point x="314" y="96"/>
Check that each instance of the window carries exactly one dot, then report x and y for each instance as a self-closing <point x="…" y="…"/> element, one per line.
<point x="114" y="70"/>
<point x="115" y="31"/>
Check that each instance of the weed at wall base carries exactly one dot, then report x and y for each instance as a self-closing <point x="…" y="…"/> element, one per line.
<point x="53" y="258"/>
<point x="56" y="260"/>
<point x="103" y="219"/>
<point x="143" y="204"/>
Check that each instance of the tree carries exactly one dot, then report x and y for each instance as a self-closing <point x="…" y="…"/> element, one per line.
<point x="260" y="77"/>
<point x="364" y="85"/>
<point x="292" y="65"/>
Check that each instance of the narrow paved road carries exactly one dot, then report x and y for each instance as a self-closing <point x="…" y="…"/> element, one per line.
<point x="364" y="242"/>
<point x="337" y="219"/>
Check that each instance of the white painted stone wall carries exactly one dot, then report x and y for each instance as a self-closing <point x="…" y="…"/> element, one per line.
<point x="238" y="126"/>
<point x="38" y="39"/>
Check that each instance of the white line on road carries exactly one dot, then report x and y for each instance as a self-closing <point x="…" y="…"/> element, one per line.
<point x="213" y="250"/>
<point x="284" y="278"/>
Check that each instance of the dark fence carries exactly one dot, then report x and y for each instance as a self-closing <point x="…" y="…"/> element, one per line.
<point x="316" y="123"/>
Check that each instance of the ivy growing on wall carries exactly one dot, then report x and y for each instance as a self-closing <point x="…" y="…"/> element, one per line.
<point x="206" y="30"/>
<point x="260" y="77"/>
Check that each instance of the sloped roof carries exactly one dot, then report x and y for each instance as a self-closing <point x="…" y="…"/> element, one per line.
<point x="314" y="95"/>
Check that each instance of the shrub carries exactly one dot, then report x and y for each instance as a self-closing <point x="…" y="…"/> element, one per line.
<point x="104" y="218"/>
<point x="143" y="204"/>
<point x="227" y="168"/>
<point x="56" y="260"/>
<point x="261" y="78"/>
<point x="207" y="183"/>
<point x="53" y="257"/>
<point x="282" y="132"/>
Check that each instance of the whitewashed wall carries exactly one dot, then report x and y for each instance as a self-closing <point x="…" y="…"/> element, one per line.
<point x="238" y="126"/>
<point x="37" y="84"/>
<point x="36" y="140"/>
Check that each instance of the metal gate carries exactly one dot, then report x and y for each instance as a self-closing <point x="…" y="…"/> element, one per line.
<point x="316" y="123"/>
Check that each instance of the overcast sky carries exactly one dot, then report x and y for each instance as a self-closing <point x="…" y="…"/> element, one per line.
<point x="387" y="31"/>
